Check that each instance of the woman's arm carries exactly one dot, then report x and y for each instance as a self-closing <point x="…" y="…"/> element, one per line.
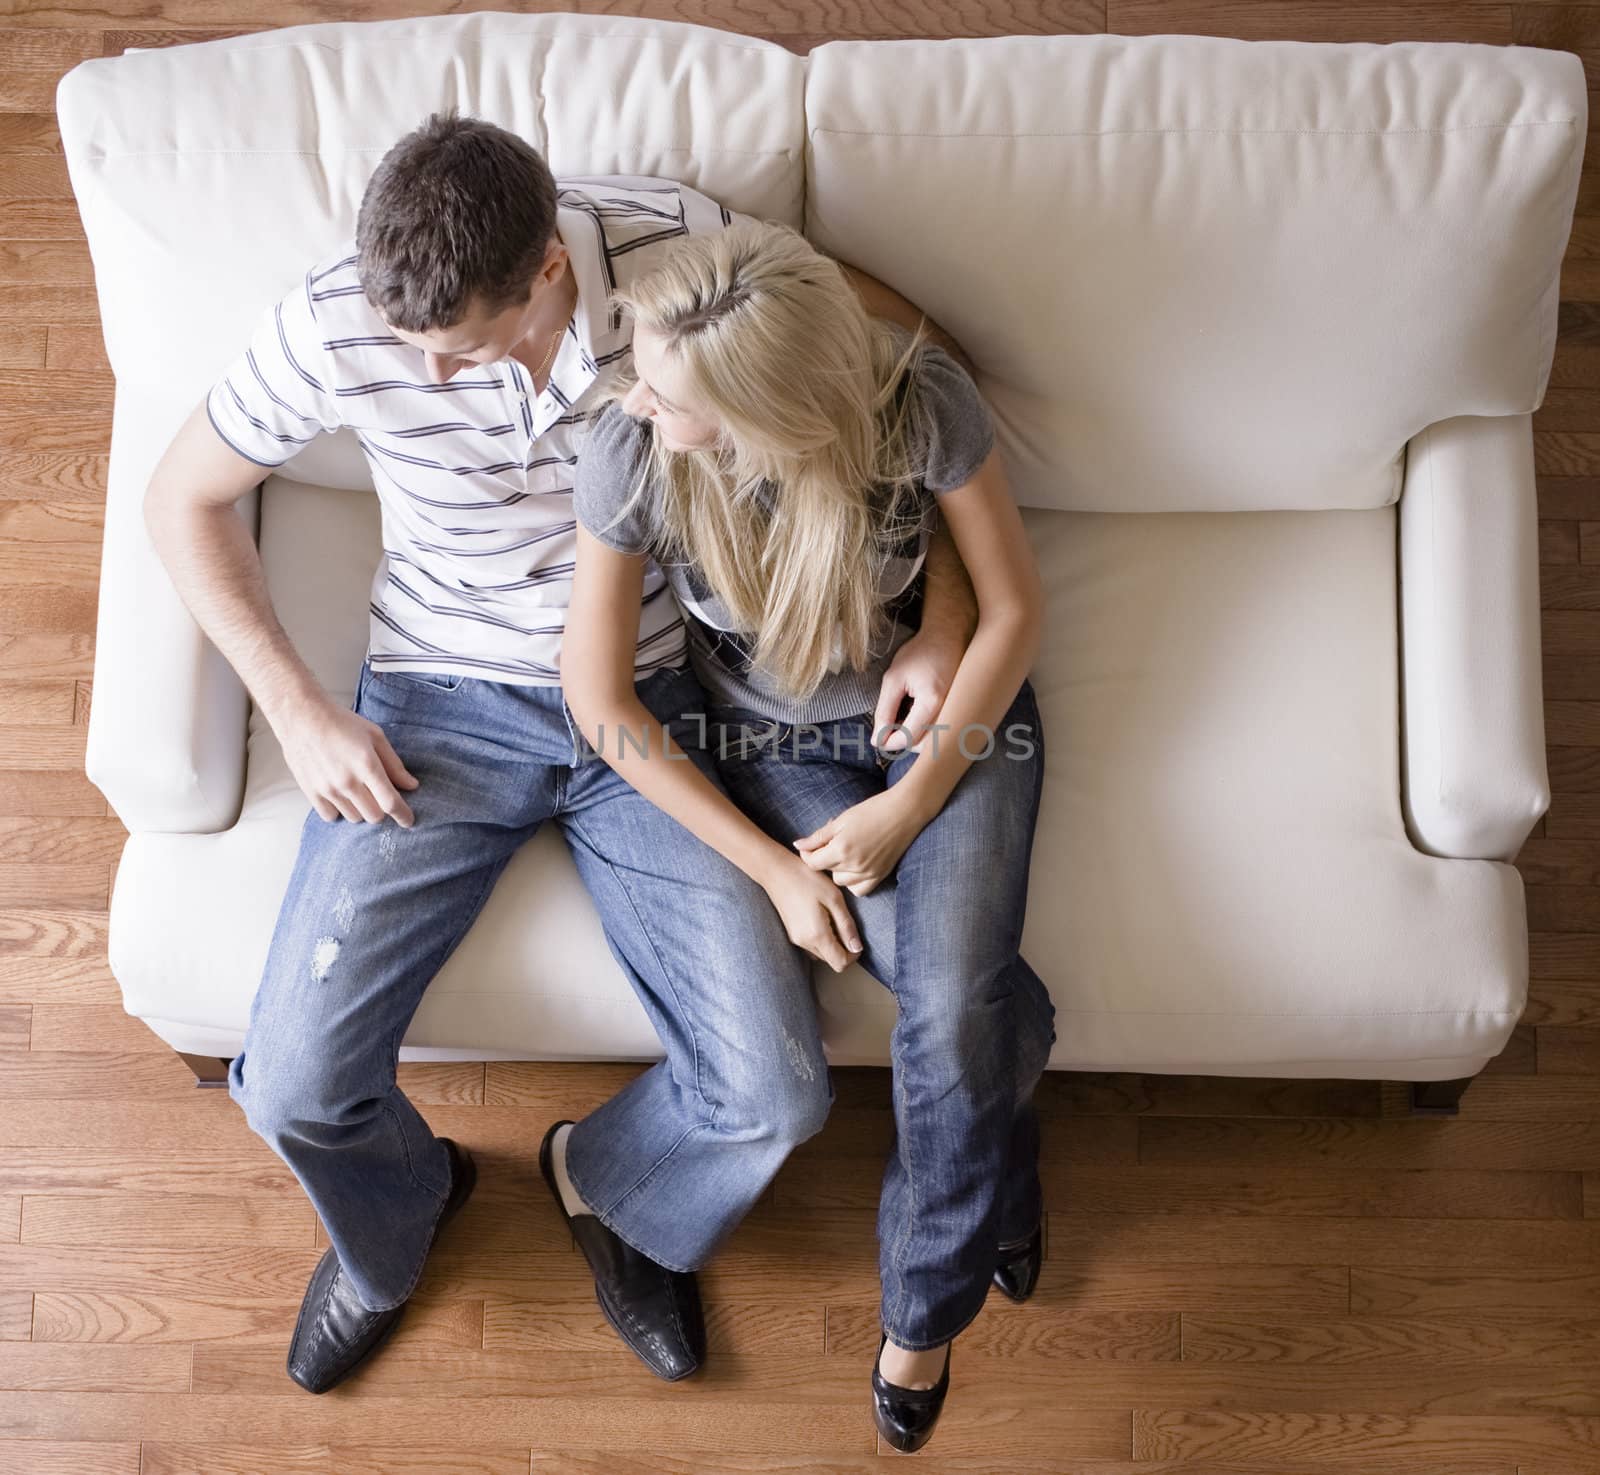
<point x="597" y="653"/>
<point x="994" y="546"/>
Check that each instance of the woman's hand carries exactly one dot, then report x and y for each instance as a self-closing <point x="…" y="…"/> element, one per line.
<point x="814" y="913"/>
<point x="863" y="844"/>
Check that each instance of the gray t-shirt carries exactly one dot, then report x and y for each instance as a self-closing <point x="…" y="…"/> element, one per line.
<point x="957" y="435"/>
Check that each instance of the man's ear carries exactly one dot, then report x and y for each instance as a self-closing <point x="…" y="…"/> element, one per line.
<point x="555" y="262"/>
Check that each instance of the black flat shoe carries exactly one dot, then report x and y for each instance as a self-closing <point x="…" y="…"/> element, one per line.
<point x="654" y="1310"/>
<point x="906" y="1416"/>
<point x="1017" y="1273"/>
<point x="334" y="1333"/>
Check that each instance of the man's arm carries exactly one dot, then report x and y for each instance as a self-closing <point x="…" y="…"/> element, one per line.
<point x="883" y="301"/>
<point x="924" y="667"/>
<point x="343" y="763"/>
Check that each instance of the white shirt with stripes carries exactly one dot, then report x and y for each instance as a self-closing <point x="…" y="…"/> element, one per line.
<point x="474" y="476"/>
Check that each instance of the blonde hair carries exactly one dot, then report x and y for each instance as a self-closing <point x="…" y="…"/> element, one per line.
<point x="817" y="405"/>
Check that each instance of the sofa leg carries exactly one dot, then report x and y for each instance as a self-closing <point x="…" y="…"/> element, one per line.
<point x="1438" y="1098"/>
<point x="209" y="1070"/>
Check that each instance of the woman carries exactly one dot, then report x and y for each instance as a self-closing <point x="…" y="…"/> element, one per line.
<point x="784" y="458"/>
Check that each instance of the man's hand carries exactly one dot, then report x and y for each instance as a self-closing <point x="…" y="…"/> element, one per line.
<point x="344" y="765"/>
<point x="924" y="667"/>
<point x="921" y="673"/>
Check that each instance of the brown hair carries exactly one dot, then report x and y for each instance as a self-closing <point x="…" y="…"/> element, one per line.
<point x="458" y="210"/>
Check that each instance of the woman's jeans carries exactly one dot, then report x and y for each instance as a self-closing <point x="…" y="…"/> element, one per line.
<point x="372" y="912"/>
<point x="975" y="1024"/>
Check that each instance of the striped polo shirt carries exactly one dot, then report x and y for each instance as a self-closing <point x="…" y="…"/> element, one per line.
<point x="474" y="476"/>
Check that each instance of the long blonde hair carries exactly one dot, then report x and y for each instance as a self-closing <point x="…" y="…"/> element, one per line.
<point x="819" y="408"/>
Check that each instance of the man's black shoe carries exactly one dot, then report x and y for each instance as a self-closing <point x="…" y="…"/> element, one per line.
<point x="335" y="1333"/>
<point x="654" y="1310"/>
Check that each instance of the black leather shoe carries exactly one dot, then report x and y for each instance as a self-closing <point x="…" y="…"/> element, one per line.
<point x="654" y="1310"/>
<point x="906" y="1416"/>
<point x="334" y="1333"/>
<point x="1017" y="1273"/>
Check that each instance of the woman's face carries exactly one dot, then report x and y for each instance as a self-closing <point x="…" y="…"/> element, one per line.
<point x="659" y="396"/>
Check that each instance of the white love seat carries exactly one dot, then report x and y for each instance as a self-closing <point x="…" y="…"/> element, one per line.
<point x="1262" y="324"/>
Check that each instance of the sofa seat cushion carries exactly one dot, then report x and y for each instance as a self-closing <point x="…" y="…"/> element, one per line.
<point x="1222" y="879"/>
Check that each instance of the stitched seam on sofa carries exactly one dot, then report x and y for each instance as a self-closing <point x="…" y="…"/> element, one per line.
<point x="1229" y="132"/>
<point x="1433" y="599"/>
<point x="665" y="148"/>
<point x="771" y="48"/>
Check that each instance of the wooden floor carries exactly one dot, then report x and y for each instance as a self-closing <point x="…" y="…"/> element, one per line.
<point x="1263" y="1276"/>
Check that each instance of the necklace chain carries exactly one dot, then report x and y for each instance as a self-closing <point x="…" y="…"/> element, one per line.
<point x="555" y="343"/>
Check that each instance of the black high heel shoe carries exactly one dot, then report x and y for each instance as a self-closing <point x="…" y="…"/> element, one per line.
<point x="906" y="1416"/>
<point x="1017" y="1272"/>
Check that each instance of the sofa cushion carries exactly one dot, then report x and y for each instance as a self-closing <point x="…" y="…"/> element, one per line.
<point x="1202" y="274"/>
<point x="1221" y="878"/>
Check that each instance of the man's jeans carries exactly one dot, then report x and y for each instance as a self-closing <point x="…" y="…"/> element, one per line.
<point x="975" y="1024"/>
<point x="672" y="1162"/>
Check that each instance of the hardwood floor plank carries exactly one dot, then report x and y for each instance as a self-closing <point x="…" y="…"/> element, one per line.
<point x="45" y="1075"/>
<point x="645" y="1423"/>
<point x="43" y="263"/>
<point x="1052" y="1334"/>
<point x="737" y="1328"/>
<point x="1332" y="1193"/>
<point x="1357" y="1439"/>
<point x="837" y="18"/>
<point x="222" y="1459"/>
<point x="36" y="704"/>
<point x="1394" y="1145"/>
<point x="1381" y="1292"/>
<point x="89" y="1171"/>
<point x="102" y="1028"/>
<point x="1400" y="1342"/>
<point x="1312" y="20"/>
<point x="1571" y="1052"/>
<point x="86" y="1369"/>
<point x="33" y="59"/>
<point x="36" y="795"/>
<point x="47" y="1457"/>
<point x="34" y="884"/>
<point x="64" y="1317"/>
<point x="932" y="1462"/>
<point x="23" y="347"/>
<point x="171" y="1220"/>
<point x="54" y="478"/>
<point x="43" y="750"/>
<point x="24" y="657"/>
<point x="16" y="1026"/>
<point x="16" y="1316"/>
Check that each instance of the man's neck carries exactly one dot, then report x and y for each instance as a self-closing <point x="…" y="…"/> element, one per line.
<point x="534" y="349"/>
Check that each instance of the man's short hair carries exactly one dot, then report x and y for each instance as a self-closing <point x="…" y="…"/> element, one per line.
<point x="459" y="210"/>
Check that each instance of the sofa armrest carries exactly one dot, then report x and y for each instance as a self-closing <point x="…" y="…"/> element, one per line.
<point x="168" y="721"/>
<point x="1472" y="730"/>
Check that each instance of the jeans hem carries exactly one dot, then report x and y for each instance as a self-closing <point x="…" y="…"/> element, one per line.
<point x="609" y="1220"/>
<point x="928" y="1344"/>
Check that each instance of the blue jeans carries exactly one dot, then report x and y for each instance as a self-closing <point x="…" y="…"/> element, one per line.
<point x="372" y="912"/>
<point x="975" y="1024"/>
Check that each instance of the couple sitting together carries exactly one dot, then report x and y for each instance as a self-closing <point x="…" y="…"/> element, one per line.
<point x="678" y="516"/>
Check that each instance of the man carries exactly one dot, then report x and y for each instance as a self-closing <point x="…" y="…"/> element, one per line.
<point x="465" y="338"/>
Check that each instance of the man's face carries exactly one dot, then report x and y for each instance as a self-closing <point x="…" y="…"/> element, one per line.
<point x="484" y="338"/>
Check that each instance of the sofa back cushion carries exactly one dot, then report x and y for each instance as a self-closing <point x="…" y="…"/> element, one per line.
<point x="211" y="176"/>
<point x="1206" y="274"/>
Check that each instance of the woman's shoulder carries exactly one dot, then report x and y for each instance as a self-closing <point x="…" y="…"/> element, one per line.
<point x="613" y="457"/>
<point x="615" y="441"/>
<point x="953" y="424"/>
